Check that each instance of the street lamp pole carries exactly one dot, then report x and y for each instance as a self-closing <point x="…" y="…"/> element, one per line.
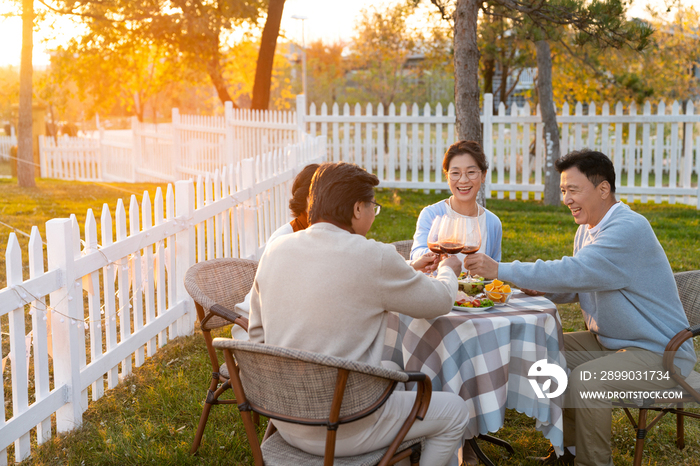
<point x="303" y="53"/>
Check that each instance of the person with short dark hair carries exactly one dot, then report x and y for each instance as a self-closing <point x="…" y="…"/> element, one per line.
<point x="623" y="281"/>
<point x="465" y="167"/>
<point x="338" y="305"/>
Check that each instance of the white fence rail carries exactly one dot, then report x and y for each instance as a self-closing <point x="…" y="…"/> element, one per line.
<point x="655" y="154"/>
<point x="6" y="142"/>
<point x="102" y="308"/>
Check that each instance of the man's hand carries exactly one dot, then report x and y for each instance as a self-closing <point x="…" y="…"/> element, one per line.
<point x="427" y="263"/>
<point x="532" y="292"/>
<point x="453" y="263"/>
<point x="481" y="264"/>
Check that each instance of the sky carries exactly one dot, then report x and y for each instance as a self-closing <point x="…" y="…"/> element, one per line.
<point x="329" y="20"/>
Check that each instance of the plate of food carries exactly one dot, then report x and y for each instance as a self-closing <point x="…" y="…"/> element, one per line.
<point x="473" y="286"/>
<point x="467" y="303"/>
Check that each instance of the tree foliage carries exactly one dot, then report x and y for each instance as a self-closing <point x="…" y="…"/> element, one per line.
<point x="193" y="30"/>
<point x="664" y="70"/>
<point x="382" y="43"/>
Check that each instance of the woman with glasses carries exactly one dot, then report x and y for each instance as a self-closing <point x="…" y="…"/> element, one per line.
<point x="465" y="168"/>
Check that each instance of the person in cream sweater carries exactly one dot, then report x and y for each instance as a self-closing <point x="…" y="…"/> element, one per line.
<point x="337" y="303"/>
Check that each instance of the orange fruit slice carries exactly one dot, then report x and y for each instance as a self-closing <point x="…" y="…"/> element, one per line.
<point x="506" y="289"/>
<point x="497" y="283"/>
<point x="489" y="287"/>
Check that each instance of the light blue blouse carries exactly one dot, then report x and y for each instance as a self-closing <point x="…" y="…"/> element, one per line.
<point x="494" y="231"/>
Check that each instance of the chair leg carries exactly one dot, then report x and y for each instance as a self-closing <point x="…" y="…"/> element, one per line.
<point x="212" y="396"/>
<point x="200" y="428"/>
<point x="641" y="434"/>
<point x="680" y="428"/>
<point x="479" y="453"/>
<point x="415" y="455"/>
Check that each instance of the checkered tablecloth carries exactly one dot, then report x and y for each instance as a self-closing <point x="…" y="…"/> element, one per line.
<point x="484" y="357"/>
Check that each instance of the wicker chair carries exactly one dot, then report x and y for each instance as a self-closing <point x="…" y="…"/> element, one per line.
<point x="689" y="290"/>
<point x="217" y="286"/>
<point x="314" y="389"/>
<point x="404" y="248"/>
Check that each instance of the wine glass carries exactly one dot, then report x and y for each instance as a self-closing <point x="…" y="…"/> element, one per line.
<point x="471" y="238"/>
<point x="451" y="234"/>
<point x="433" y="244"/>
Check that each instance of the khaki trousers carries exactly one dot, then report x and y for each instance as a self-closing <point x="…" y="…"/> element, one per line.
<point x="587" y="422"/>
<point x="443" y="426"/>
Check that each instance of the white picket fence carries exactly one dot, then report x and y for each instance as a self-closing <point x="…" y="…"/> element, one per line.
<point x="6" y="142"/>
<point x="657" y="155"/>
<point x="104" y="305"/>
<point x="190" y="146"/>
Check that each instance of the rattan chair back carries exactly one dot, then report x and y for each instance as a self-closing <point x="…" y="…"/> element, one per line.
<point x="297" y="384"/>
<point x="688" y="284"/>
<point x="689" y="291"/>
<point x="404" y="247"/>
<point x="219" y="282"/>
<point x="216" y="286"/>
<point x="314" y="389"/>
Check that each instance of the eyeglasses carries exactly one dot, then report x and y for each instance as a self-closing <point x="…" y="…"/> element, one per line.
<point x="377" y="208"/>
<point x="456" y="175"/>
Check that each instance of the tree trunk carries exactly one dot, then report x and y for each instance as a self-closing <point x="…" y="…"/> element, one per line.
<point x="489" y="72"/>
<point x="266" y="55"/>
<point x="217" y="78"/>
<point x="466" y="57"/>
<point x="549" y="117"/>
<point x="25" y="151"/>
<point x="466" y="61"/>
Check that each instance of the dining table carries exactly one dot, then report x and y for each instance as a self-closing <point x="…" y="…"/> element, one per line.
<point x="484" y="356"/>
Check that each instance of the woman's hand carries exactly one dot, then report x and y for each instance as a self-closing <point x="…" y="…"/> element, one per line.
<point x="427" y="263"/>
<point x="481" y="264"/>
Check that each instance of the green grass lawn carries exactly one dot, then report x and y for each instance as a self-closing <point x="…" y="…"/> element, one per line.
<point x="152" y="416"/>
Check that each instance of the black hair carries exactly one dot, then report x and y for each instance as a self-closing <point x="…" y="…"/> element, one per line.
<point x="300" y="189"/>
<point x="595" y="165"/>
<point x="472" y="148"/>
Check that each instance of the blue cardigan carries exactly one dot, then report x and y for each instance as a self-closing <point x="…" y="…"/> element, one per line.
<point x="621" y="277"/>
<point x="494" y="231"/>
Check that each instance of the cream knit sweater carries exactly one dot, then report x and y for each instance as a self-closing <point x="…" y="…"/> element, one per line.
<point x="327" y="291"/>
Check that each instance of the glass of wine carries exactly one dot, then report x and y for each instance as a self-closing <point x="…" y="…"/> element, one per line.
<point x="451" y="234"/>
<point x="471" y="238"/>
<point x="433" y="243"/>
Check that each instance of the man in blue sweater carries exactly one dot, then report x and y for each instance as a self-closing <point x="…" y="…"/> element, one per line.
<point x="623" y="281"/>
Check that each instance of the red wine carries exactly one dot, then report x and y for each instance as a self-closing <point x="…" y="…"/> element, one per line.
<point x="469" y="249"/>
<point x="435" y="247"/>
<point x="451" y="247"/>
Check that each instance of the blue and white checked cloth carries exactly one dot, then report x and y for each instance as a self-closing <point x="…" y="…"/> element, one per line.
<point x="484" y="357"/>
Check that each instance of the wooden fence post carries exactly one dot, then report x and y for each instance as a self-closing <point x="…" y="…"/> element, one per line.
<point x="229" y="156"/>
<point x="103" y="153"/>
<point x="185" y="249"/>
<point x="301" y="117"/>
<point x="66" y="323"/>
<point x="136" y="152"/>
<point x="249" y="243"/>
<point x="176" y="157"/>
<point x="18" y="346"/>
<point x="488" y="139"/>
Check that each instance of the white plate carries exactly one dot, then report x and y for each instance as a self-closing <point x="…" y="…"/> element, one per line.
<point x="465" y="282"/>
<point x="470" y="309"/>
